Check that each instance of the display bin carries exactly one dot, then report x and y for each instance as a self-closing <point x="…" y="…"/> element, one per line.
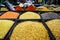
<point x="8" y="35"/>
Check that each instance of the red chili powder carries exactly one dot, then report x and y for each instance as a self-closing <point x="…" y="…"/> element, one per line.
<point x="18" y="8"/>
<point x="30" y="8"/>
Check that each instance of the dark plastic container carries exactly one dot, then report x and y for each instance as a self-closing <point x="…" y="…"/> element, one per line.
<point x="38" y="20"/>
<point x="8" y="35"/>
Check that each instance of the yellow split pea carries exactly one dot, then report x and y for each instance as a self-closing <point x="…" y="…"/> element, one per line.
<point x="5" y="25"/>
<point x="54" y="26"/>
<point x="30" y="31"/>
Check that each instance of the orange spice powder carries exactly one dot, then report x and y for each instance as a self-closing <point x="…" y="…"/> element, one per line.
<point x="10" y="15"/>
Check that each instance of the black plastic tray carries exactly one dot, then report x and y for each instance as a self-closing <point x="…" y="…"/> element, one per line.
<point x="16" y="23"/>
<point x="7" y="37"/>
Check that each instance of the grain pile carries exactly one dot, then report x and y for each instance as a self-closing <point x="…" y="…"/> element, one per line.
<point x="50" y="15"/>
<point x="42" y="8"/>
<point x="10" y="15"/>
<point x="30" y="15"/>
<point x="30" y="31"/>
<point x="54" y="25"/>
<point x="5" y="25"/>
<point x="56" y="9"/>
<point x="18" y="8"/>
<point x="3" y="9"/>
<point x="30" y="8"/>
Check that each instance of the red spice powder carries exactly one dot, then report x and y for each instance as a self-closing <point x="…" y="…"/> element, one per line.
<point x="18" y="8"/>
<point x="30" y="8"/>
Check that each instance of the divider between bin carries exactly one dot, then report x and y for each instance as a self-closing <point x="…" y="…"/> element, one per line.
<point x="49" y="31"/>
<point x="52" y="37"/>
<point x="7" y="37"/>
<point x="17" y="21"/>
<point x="12" y="28"/>
<point x="9" y="29"/>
